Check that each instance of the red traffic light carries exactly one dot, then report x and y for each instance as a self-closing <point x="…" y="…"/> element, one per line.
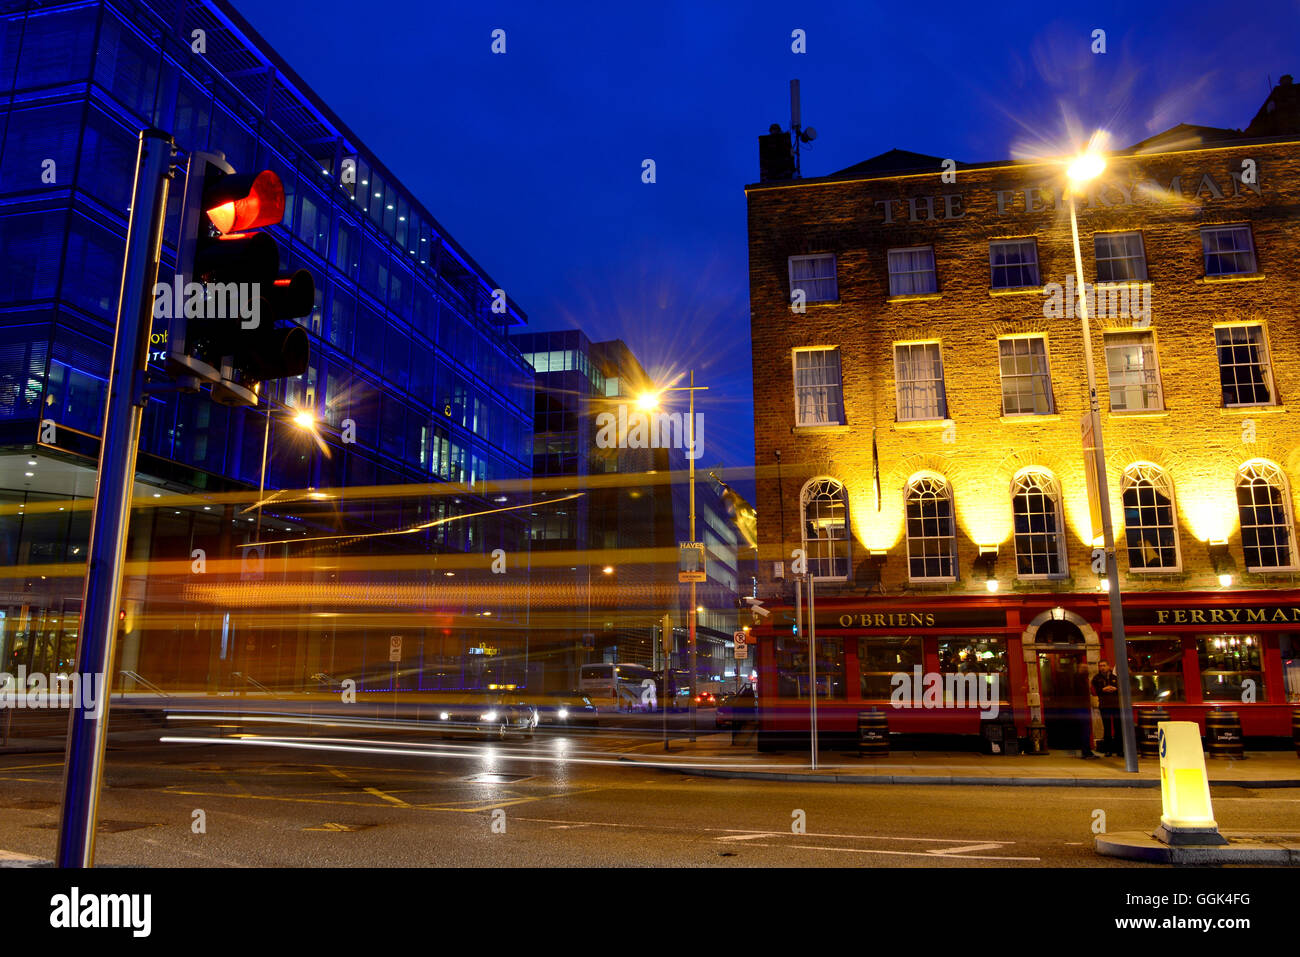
<point x="242" y="202"/>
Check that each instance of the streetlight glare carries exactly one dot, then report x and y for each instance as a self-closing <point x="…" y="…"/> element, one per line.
<point x="304" y="419"/>
<point x="648" y="401"/>
<point x="1085" y="167"/>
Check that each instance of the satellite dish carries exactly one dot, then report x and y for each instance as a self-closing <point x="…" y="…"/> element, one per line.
<point x="809" y="135"/>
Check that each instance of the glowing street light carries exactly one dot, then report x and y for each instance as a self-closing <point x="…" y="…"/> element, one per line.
<point x="648" y="401"/>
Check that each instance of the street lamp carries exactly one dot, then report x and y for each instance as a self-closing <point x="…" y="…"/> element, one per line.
<point x="648" y="402"/>
<point x="1084" y="168"/>
<point x="303" y="418"/>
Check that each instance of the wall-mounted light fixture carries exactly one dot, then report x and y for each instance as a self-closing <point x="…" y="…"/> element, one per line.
<point x="986" y="566"/>
<point x="1058" y="613"/>
<point x="1223" y="563"/>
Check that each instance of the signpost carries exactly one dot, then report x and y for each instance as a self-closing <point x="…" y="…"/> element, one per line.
<point x="742" y="645"/>
<point x="690" y="566"/>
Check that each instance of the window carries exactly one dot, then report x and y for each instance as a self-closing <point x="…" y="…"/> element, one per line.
<point x="826" y="528"/>
<point x="1026" y="382"/>
<point x="1265" y="509"/>
<point x="1149" y="524"/>
<point x="1229" y="250"/>
<point x="879" y="659"/>
<point x="818" y="392"/>
<point x="931" y="538"/>
<point x="1155" y="667"/>
<point x="815" y="275"/>
<point x="985" y="658"/>
<point x="1120" y="257"/>
<point x="918" y="374"/>
<point x="911" y="271"/>
<point x="1244" y="373"/>
<point x="792" y="668"/>
<point x="1036" y="512"/>
<point x="1227" y="662"/>
<point x="1013" y="263"/>
<point x="1133" y="372"/>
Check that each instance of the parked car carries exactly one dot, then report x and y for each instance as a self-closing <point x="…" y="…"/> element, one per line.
<point x="735" y="709"/>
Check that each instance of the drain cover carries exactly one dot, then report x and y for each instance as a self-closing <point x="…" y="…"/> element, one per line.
<point x="488" y="777"/>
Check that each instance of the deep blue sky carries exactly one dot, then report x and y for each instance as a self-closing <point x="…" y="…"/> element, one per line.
<point x="532" y="159"/>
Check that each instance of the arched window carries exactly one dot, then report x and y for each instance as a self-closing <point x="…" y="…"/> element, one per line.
<point x="1036" y="510"/>
<point x="931" y="543"/>
<point x="1265" y="507"/>
<point x="826" y="528"/>
<point x="1149" y="524"/>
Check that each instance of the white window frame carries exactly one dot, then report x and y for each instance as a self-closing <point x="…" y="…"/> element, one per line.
<point x="1158" y="478"/>
<point x="1264" y="356"/>
<point x="1146" y="343"/>
<point x="1266" y="472"/>
<point x="837" y="388"/>
<point x="1047" y="482"/>
<point x="933" y="271"/>
<point x="1046" y="375"/>
<point x="814" y="490"/>
<point x="941" y="410"/>
<point x="930" y="486"/>
<point x="1032" y="243"/>
<point x="1206" y="252"/>
<point x="806" y="282"/>
<point x="1098" y="258"/>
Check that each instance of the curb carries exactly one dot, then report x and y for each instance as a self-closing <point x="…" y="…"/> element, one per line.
<point x="1240" y="849"/>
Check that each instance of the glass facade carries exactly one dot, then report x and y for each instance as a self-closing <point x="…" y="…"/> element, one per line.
<point x="412" y="376"/>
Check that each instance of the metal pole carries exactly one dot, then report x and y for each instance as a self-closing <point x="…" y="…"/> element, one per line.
<point x="1107" y="527"/>
<point x="261" y="483"/>
<point x="812" y="664"/>
<point x="690" y="452"/>
<point x="110" y="519"/>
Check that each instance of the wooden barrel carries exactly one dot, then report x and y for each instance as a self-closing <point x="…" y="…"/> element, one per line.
<point x="1223" y="734"/>
<point x="873" y="734"/>
<point x="1148" y="731"/>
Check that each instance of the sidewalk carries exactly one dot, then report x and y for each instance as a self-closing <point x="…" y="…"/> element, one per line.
<point x="711" y="758"/>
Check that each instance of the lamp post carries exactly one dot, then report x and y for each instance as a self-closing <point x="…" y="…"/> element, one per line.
<point x="304" y="419"/>
<point x="1083" y="169"/>
<point x="649" y="402"/>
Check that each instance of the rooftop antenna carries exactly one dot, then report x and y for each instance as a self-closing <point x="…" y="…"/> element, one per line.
<point x="798" y="134"/>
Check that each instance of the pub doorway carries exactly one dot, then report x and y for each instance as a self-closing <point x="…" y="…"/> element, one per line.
<point x="1063" y="684"/>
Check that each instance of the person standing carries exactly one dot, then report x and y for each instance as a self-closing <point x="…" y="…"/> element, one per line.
<point x="1105" y="685"/>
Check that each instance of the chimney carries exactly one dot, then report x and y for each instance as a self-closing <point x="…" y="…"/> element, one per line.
<point x="1280" y="113"/>
<point x="775" y="156"/>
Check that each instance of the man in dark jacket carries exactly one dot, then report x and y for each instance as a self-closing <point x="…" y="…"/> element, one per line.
<point x="1105" y="685"/>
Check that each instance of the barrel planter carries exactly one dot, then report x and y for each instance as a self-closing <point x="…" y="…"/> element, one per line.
<point x="1148" y="731"/>
<point x="1223" y="734"/>
<point x="873" y="734"/>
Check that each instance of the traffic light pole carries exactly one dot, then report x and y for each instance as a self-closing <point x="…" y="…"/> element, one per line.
<point x="124" y="409"/>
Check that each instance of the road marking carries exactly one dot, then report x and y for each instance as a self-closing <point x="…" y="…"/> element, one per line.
<point x="965" y="847"/>
<point x="873" y="850"/>
<point x="387" y="797"/>
<point x="744" y="837"/>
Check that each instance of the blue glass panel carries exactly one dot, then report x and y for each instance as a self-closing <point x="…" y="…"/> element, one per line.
<point x="94" y="268"/>
<point x="56" y="48"/>
<point x="127" y="68"/>
<point x="32" y="244"/>
<point x="34" y="138"/>
<point x="108" y="154"/>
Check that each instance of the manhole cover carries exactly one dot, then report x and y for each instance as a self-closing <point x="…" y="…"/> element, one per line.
<point x="488" y="777"/>
<point x="334" y="826"/>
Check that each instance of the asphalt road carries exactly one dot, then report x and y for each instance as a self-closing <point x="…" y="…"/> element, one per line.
<point x="371" y="798"/>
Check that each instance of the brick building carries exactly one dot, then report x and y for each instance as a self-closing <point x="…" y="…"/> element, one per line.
<point x="919" y="386"/>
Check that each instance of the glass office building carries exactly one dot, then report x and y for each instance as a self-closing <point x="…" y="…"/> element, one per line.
<point x="424" y="405"/>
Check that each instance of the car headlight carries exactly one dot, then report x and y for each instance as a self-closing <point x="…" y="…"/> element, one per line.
<point x="562" y="714"/>
<point x="490" y="716"/>
<point x="444" y="716"/>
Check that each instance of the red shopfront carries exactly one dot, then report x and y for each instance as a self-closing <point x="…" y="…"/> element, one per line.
<point x="1032" y="654"/>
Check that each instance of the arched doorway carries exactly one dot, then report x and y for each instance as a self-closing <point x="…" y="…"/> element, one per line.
<point x="1061" y="649"/>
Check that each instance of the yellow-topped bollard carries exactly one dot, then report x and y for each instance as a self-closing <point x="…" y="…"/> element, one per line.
<point x="1188" y="816"/>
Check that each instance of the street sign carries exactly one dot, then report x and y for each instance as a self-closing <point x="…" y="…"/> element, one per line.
<point x="690" y="567"/>
<point x="742" y="645"/>
<point x="395" y="648"/>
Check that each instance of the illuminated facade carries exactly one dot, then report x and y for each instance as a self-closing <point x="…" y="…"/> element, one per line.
<point x="412" y="379"/>
<point x="919" y="388"/>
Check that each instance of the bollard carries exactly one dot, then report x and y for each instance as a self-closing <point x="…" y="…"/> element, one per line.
<point x="1223" y="732"/>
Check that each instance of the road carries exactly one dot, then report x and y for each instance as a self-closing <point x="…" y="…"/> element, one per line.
<point x="339" y="797"/>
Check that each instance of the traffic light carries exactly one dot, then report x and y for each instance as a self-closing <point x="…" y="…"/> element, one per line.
<point x="229" y="294"/>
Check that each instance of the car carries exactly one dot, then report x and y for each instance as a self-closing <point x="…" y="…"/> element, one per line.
<point x="736" y="709"/>
<point x="706" y="699"/>
<point x="493" y="715"/>
<point x="565" y="709"/>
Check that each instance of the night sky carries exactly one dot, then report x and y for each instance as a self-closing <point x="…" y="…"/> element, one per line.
<point x="533" y="159"/>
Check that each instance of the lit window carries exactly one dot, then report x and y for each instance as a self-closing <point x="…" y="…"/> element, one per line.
<point x="1265" y="508"/>
<point x="1244" y="373"/>
<point x="1013" y="263"/>
<point x="1120" y="257"/>
<point x="1036" y="512"/>
<point x="911" y="271"/>
<point x="931" y="536"/>
<point x="815" y="275"/>
<point x="1026" y="381"/>
<point x="1133" y="372"/>
<point x="1149" y="525"/>
<point x="825" y="528"/>
<point x="918" y="375"/>
<point x="1229" y="250"/>
<point x="818" y="390"/>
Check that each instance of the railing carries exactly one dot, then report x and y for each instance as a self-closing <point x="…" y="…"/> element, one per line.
<point x="249" y="679"/>
<point x="141" y="680"/>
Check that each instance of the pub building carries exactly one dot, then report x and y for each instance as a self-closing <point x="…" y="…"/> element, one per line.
<point x="919" y="387"/>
